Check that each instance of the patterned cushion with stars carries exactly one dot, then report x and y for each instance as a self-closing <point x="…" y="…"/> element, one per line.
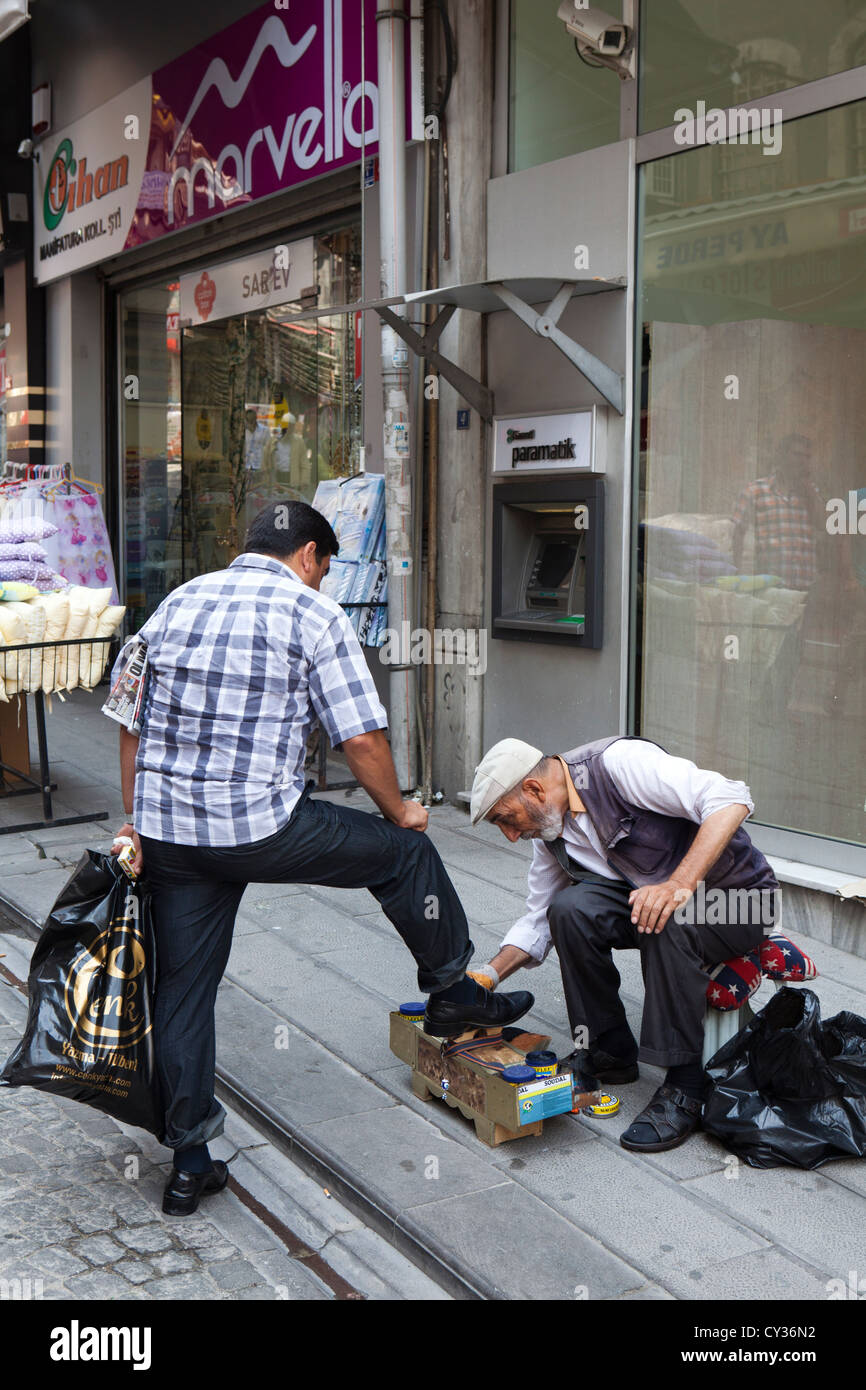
<point x="734" y="981"/>
<point x="782" y="960"/>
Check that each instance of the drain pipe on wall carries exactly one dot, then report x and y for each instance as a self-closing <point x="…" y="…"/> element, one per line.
<point x="423" y="700"/>
<point x="391" y="20"/>
<point x="428" y="476"/>
<point x="432" y="570"/>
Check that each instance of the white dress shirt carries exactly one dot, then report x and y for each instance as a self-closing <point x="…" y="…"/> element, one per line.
<point x="647" y="777"/>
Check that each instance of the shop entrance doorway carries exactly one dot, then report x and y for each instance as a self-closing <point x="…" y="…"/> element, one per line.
<point x="220" y="417"/>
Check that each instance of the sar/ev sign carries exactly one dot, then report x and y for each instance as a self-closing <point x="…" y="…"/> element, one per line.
<point x="264" y="280"/>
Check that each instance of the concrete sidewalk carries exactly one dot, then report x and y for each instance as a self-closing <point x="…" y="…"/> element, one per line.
<point x="302" y="1023"/>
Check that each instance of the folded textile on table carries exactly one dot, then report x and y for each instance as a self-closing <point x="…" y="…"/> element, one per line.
<point x="79" y="613"/>
<point x="24" y="550"/>
<point x="56" y="608"/>
<point x="681" y="554"/>
<point x="35" y="572"/>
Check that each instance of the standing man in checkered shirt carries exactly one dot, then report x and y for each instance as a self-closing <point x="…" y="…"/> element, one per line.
<point x="786" y="512"/>
<point x="241" y="662"/>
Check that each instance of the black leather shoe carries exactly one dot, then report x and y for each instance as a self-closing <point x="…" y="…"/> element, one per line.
<point x="446" y="1020"/>
<point x="183" y="1190"/>
<point x="594" y="1067"/>
<point x="671" y="1115"/>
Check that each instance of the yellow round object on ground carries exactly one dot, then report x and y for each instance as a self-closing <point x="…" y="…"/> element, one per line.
<point x="608" y="1105"/>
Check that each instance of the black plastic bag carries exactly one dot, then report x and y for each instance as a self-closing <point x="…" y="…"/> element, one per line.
<point x="89" y="1031"/>
<point x="789" y="1089"/>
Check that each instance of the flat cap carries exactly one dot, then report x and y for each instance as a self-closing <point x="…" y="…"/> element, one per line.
<point x="500" y="770"/>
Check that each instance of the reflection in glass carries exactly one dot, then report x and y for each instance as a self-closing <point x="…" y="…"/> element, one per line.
<point x="728" y="53"/>
<point x="151" y="446"/>
<point x="558" y="103"/>
<point x="232" y="414"/>
<point x="752" y="578"/>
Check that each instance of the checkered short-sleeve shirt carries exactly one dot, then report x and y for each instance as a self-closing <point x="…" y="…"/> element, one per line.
<point x="784" y="531"/>
<point x="242" y="662"/>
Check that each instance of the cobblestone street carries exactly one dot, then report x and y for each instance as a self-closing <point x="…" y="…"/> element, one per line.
<point x="81" y="1218"/>
<point x="80" y="1215"/>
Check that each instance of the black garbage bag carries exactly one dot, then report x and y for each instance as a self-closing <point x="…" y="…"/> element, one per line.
<point x="89" y="1031"/>
<point x="789" y="1089"/>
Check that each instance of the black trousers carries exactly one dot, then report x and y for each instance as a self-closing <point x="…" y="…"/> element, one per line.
<point x="591" y="918"/>
<point x="196" y="893"/>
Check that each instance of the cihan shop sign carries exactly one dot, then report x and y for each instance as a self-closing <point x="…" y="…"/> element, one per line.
<point x="273" y="101"/>
<point x="536" y="442"/>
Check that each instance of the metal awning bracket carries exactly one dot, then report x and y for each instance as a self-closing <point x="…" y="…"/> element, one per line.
<point x="489" y="296"/>
<point x="444" y="317"/>
<point x="479" y="397"/>
<point x="606" y="381"/>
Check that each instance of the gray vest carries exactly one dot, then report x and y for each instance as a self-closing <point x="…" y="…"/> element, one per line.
<point x="645" y="846"/>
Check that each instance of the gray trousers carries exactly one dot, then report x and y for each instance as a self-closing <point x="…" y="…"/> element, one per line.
<point x="591" y="918"/>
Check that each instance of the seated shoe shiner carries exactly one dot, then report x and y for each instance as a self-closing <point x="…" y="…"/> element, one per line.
<point x="241" y="663"/>
<point x="623" y="833"/>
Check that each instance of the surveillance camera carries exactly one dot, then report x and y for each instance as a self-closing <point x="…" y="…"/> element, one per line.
<point x="25" y="149"/>
<point x="599" y="36"/>
<point x="599" y="31"/>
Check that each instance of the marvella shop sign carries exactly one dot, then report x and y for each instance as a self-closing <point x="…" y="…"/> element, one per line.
<point x="258" y="281"/>
<point x="279" y="98"/>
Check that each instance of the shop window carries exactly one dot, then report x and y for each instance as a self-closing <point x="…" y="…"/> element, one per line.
<point x="751" y="546"/>
<point x="558" y="104"/>
<point x="221" y="416"/>
<point x="3" y="387"/>
<point x="858" y="121"/>
<point x="725" y="54"/>
<point x="662" y="180"/>
<point x="858" y="118"/>
<point x="745" y="174"/>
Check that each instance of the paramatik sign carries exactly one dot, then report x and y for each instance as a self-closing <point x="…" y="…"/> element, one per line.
<point x="536" y="442"/>
<point x="277" y="99"/>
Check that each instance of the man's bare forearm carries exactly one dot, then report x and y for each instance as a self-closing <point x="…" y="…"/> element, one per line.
<point x="710" y="842"/>
<point x="509" y="959"/>
<point x="370" y="761"/>
<point x="128" y="750"/>
<point x="652" y="905"/>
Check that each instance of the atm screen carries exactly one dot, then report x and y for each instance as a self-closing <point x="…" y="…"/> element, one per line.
<point x="548" y="561"/>
<point x="554" y="564"/>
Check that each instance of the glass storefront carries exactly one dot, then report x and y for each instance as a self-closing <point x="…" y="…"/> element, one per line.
<point x="725" y="52"/>
<point x="3" y="450"/>
<point x="752" y="507"/>
<point x="559" y="104"/>
<point x="220" y="417"/>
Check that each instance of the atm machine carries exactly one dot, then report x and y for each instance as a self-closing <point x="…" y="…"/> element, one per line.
<point x="548" y="541"/>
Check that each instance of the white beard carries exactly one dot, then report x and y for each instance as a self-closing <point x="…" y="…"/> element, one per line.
<point x="548" y="827"/>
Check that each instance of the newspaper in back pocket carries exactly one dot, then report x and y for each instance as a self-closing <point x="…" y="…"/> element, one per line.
<point x="126" y="700"/>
